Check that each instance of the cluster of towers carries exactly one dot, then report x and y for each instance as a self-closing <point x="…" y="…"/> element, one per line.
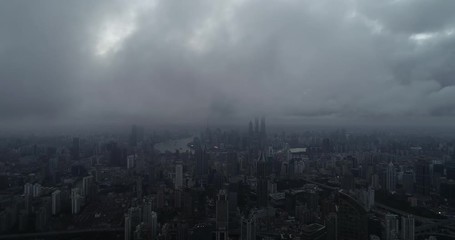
<point x="257" y="130"/>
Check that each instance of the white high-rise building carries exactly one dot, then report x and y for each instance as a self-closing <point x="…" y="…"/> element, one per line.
<point x="56" y="202"/>
<point x="76" y="201"/>
<point x="36" y="190"/>
<point x="86" y="185"/>
<point x="128" y="227"/>
<point x="28" y="189"/>
<point x="154" y="225"/>
<point x="178" y="176"/>
<point x="131" y="161"/>
<point x="391" y="227"/>
<point x="407" y="228"/>
<point x="248" y="227"/>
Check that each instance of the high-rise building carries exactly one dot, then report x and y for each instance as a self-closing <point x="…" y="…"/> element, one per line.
<point x="262" y="182"/>
<point x="407" y="228"/>
<point x="263" y="132"/>
<point x="201" y="162"/>
<point x="154" y="225"/>
<point x="222" y="216"/>
<point x="391" y="227"/>
<point x="128" y="228"/>
<point x="423" y="177"/>
<point x="130" y="161"/>
<point x="28" y="189"/>
<point x="352" y="218"/>
<point x="37" y="190"/>
<point x="248" y="227"/>
<point x="87" y="184"/>
<point x="178" y="176"/>
<point x="76" y="201"/>
<point x="390" y="177"/>
<point x="56" y="202"/>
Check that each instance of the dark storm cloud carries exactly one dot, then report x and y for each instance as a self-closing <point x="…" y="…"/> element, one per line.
<point x="189" y="61"/>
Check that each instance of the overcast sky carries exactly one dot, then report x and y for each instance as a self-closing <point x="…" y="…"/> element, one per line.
<point x="178" y="61"/>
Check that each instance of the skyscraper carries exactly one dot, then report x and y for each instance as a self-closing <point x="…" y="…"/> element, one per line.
<point x="391" y="227"/>
<point x="130" y="161"/>
<point x="222" y="216"/>
<point x="154" y="224"/>
<point x="56" y="204"/>
<point x="407" y="228"/>
<point x="87" y="183"/>
<point x="248" y="227"/>
<point x="390" y="178"/>
<point x="201" y="162"/>
<point x="28" y="189"/>
<point x="76" y="201"/>
<point x="423" y="178"/>
<point x="262" y="182"/>
<point x="128" y="227"/>
<point x="178" y="176"/>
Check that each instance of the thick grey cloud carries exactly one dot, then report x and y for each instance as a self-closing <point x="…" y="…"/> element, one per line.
<point x="179" y="61"/>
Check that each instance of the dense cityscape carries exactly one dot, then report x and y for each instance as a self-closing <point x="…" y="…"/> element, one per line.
<point x="227" y="120"/>
<point x="249" y="183"/>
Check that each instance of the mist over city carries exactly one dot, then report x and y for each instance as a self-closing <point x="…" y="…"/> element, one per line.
<point x="226" y="120"/>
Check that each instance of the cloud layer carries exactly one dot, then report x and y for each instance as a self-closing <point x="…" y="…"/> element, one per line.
<point x="173" y="61"/>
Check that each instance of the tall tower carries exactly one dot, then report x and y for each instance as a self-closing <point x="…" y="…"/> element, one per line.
<point x="390" y="178"/>
<point x="222" y="216"/>
<point x="391" y="227"/>
<point x="263" y="133"/>
<point x="250" y="129"/>
<point x="128" y="227"/>
<point x="178" y="176"/>
<point x="248" y="227"/>
<point x="423" y="178"/>
<point x="407" y="227"/>
<point x="262" y="182"/>
<point x="56" y="204"/>
<point x="201" y="162"/>
<point x="75" y="201"/>
<point x="256" y="126"/>
<point x="154" y="225"/>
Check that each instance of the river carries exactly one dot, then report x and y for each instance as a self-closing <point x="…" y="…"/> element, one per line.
<point x="173" y="145"/>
